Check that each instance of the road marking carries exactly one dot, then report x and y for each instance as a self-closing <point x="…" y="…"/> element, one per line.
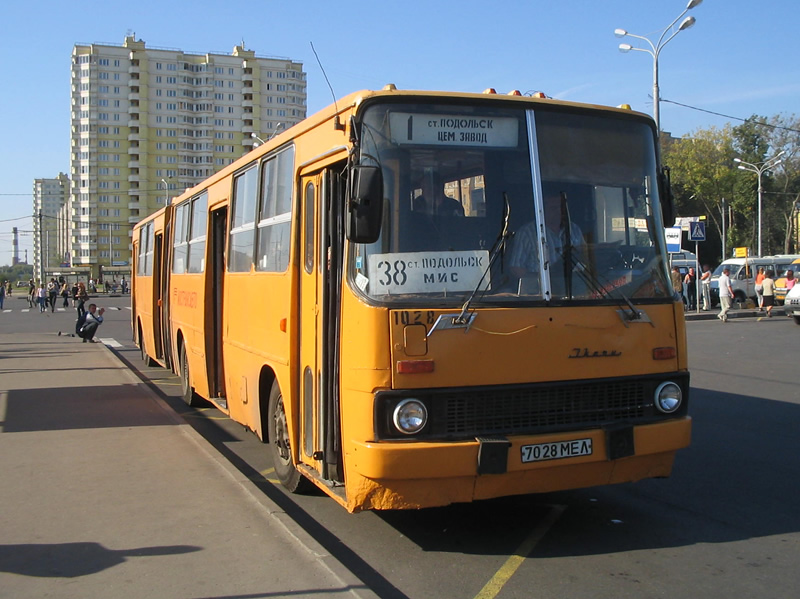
<point x="506" y="571"/>
<point x="264" y="474"/>
<point x="110" y="341"/>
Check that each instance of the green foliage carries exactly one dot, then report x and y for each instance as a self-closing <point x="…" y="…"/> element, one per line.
<point x="704" y="172"/>
<point x="18" y="272"/>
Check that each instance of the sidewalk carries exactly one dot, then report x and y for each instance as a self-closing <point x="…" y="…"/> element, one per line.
<point x="107" y="493"/>
<point x="735" y="312"/>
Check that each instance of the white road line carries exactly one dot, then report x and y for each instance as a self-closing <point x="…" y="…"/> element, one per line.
<point x="110" y="341"/>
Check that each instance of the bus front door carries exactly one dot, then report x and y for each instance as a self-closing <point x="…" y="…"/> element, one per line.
<point x="312" y="373"/>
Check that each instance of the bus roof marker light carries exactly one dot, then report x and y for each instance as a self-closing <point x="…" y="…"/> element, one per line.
<point x="390" y="87"/>
<point x="490" y="90"/>
<point x="514" y="92"/>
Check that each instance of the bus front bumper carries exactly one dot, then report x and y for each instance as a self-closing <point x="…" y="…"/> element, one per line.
<point x="412" y="468"/>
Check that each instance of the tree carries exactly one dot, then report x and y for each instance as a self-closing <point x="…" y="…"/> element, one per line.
<point x="701" y="178"/>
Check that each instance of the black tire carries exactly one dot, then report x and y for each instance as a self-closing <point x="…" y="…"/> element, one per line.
<point x="796" y="319"/>
<point x="280" y="445"/>
<point x="148" y="361"/>
<point x="739" y="296"/>
<point x="190" y="398"/>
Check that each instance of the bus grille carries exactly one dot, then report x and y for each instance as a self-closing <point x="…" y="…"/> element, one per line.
<point x="533" y="409"/>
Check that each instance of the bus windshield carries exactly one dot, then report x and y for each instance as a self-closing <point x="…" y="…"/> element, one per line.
<point x="519" y="205"/>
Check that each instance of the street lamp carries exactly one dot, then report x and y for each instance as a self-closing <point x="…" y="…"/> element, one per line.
<point x="257" y="138"/>
<point x="655" y="50"/>
<point x="759" y="169"/>
<point x="166" y="191"/>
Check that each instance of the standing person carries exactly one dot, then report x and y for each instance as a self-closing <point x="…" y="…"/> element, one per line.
<point x="52" y="294"/>
<point x="705" y="287"/>
<point x="94" y="318"/>
<point x="725" y="294"/>
<point x="769" y="292"/>
<point x="691" y="288"/>
<point x="74" y="293"/>
<point x="677" y="282"/>
<point x="790" y="280"/>
<point x="65" y="293"/>
<point x="81" y="300"/>
<point x="2" y="295"/>
<point x="31" y="293"/>
<point x="760" y="288"/>
<point x="41" y="296"/>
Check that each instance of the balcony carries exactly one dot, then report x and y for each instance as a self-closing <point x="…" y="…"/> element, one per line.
<point x="134" y="163"/>
<point x="134" y="205"/>
<point x="134" y="178"/>
<point x="134" y="68"/>
<point x="133" y="96"/>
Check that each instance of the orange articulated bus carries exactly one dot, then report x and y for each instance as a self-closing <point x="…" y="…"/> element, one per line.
<point x="421" y="298"/>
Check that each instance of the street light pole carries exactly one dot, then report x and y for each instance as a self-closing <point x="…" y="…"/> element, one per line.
<point x="655" y="50"/>
<point x="759" y="169"/>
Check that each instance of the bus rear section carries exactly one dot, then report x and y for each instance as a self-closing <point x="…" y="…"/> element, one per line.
<point x="149" y="287"/>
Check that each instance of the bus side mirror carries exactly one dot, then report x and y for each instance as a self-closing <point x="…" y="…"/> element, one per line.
<point x="364" y="204"/>
<point x="667" y="200"/>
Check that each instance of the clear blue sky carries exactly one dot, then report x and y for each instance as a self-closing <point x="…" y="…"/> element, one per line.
<point x="741" y="58"/>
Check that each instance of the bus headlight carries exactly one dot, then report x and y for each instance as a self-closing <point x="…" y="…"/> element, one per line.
<point x="668" y="397"/>
<point x="410" y="416"/>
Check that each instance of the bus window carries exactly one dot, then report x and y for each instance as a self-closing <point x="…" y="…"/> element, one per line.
<point x="240" y="254"/>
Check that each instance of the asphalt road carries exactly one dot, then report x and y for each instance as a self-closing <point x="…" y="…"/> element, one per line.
<point x="726" y="524"/>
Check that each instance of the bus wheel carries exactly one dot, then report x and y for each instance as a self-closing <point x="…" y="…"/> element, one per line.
<point x="148" y="361"/>
<point x="796" y="319"/>
<point x="190" y="398"/>
<point x="280" y="445"/>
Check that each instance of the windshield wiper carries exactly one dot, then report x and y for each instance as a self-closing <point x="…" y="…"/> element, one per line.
<point x="497" y="249"/>
<point x="602" y="288"/>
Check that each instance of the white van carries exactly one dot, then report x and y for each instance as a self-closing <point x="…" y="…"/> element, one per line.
<point x="792" y="304"/>
<point x="743" y="277"/>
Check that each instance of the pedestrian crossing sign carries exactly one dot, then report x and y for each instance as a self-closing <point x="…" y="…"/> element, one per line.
<point x="697" y="231"/>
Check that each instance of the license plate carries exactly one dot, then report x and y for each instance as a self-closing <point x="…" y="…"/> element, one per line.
<point x="556" y="451"/>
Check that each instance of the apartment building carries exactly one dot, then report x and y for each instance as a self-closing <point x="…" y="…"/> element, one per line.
<point x="50" y="227"/>
<point x="149" y="122"/>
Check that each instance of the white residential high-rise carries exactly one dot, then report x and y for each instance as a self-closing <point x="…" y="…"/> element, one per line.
<point x="148" y="123"/>
<point x="50" y="248"/>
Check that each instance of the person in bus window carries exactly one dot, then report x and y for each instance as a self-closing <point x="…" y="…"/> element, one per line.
<point x="434" y="199"/>
<point x="524" y="254"/>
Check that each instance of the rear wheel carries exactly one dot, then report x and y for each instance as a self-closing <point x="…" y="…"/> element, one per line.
<point x="281" y="446"/>
<point x="148" y="361"/>
<point x="190" y="398"/>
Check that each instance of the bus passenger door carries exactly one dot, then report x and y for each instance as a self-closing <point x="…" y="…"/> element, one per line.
<point x="158" y="291"/>
<point x="313" y="270"/>
<point x="218" y="228"/>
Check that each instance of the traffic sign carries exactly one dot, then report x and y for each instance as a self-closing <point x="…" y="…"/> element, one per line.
<point x="697" y="231"/>
<point x="673" y="238"/>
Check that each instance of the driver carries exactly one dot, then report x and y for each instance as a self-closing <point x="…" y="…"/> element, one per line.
<point x="525" y="255"/>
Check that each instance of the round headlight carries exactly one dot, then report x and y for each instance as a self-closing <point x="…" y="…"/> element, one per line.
<point x="410" y="416"/>
<point x="668" y="397"/>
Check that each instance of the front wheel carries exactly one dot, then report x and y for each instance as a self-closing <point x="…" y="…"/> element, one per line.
<point x="796" y="319"/>
<point x="281" y="446"/>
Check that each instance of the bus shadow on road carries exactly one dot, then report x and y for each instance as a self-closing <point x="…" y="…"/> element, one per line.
<point x="739" y="480"/>
<point x="64" y="408"/>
